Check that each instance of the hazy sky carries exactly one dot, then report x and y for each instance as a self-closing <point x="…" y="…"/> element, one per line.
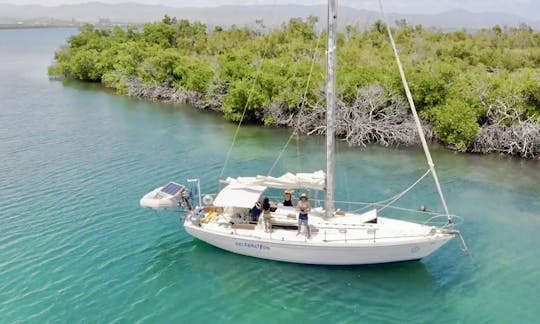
<point x="525" y="8"/>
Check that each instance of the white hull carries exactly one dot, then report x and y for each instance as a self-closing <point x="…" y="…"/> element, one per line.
<point x="321" y="252"/>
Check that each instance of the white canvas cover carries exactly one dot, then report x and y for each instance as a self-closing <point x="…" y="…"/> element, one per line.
<point x="314" y="180"/>
<point x="351" y="218"/>
<point x="238" y="196"/>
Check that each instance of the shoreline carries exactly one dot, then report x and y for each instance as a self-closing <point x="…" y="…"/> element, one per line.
<point x="465" y="99"/>
<point x="172" y="95"/>
<point x="45" y="26"/>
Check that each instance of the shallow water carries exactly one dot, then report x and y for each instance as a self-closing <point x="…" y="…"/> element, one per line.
<point x="76" y="247"/>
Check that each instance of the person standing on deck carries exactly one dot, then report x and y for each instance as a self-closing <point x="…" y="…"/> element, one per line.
<point x="303" y="209"/>
<point x="287" y="200"/>
<point x="266" y="215"/>
<point x="255" y="212"/>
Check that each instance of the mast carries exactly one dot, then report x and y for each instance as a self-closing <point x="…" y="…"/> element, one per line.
<point x="331" y="107"/>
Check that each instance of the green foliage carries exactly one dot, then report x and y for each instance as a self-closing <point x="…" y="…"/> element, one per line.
<point x="454" y="77"/>
<point x="455" y="122"/>
<point x="235" y="65"/>
<point x="193" y="74"/>
<point x="430" y="84"/>
<point x="269" y="120"/>
<point x="242" y="95"/>
<point x="284" y="82"/>
<point x="530" y="92"/>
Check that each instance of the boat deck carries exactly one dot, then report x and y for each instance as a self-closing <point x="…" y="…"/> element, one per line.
<point x="349" y="228"/>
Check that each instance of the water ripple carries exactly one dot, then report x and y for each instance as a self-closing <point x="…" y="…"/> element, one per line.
<point x="76" y="247"/>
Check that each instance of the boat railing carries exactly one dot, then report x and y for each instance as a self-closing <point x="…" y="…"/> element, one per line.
<point x="344" y="231"/>
<point x="442" y="221"/>
<point x="436" y="218"/>
<point x="364" y="206"/>
<point x="371" y="231"/>
<point x="324" y="230"/>
<point x="345" y="238"/>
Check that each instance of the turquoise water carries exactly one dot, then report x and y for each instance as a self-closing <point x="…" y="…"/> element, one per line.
<point x="76" y="247"/>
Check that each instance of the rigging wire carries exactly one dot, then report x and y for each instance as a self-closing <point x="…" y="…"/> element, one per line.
<point x="300" y="162"/>
<point x="389" y="201"/>
<point x="419" y="125"/>
<point x="298" y="156"/>
<point x="432" y="213"/>
<point x="249" y="97"/>
<point x="415" y="114"/>
<point x="251" y="90"/>
<point x="401" y="194"/>
<point x="302" y="105"/>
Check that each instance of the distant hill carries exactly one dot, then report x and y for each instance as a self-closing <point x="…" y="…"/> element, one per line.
<point x="134" y="13"/>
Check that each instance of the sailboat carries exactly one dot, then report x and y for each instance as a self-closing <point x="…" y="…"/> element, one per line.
<point x="337" y="237"/>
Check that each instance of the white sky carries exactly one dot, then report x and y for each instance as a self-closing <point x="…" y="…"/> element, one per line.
<point x="526" y="8"/>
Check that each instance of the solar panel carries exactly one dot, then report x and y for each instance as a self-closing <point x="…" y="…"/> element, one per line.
<point x="172" y="188"/>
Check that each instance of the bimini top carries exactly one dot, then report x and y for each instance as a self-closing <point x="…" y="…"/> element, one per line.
<point x="235" y="196"/>
<point x="245" y="191"/>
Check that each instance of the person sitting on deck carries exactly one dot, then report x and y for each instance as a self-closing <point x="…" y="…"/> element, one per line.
<point x="288" y="200"/>
<point x="266" y="215"/>
<point x="303" y="209"/>
<point x="255" y="212"/>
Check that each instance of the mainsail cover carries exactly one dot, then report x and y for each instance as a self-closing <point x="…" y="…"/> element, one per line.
<point x="314" y="180"/>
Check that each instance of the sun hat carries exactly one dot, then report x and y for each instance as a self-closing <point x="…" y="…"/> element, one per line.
<point x="303" y="195"/>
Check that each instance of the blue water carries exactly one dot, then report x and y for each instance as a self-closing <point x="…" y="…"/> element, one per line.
<point x="76" y="247"/>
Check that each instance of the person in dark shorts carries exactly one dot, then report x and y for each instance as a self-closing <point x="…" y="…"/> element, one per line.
<point x="303" y="210"/>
